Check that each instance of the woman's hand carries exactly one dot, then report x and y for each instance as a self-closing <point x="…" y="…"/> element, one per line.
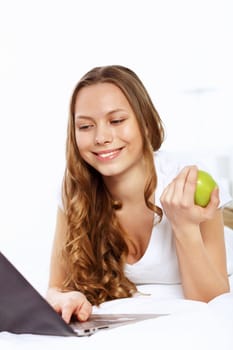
<point x="69" y="303"/>
<point x="178" y="200"/>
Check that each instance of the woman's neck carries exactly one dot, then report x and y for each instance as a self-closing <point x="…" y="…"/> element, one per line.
<point x="128" y="187"/>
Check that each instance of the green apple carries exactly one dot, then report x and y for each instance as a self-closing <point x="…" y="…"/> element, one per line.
<point x="204" y="188"/>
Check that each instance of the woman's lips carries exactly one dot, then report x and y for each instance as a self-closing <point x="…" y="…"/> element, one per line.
<point x="108" y="154"/>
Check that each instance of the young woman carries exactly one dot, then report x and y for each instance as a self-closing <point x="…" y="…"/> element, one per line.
<point x="128" y="215"/>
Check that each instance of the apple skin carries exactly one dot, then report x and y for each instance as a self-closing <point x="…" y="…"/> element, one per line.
<point x="204" y="188"/>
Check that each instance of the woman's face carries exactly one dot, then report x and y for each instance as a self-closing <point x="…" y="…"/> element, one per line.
<point x="106" y="130"/>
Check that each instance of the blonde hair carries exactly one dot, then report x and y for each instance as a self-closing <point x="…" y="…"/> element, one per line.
<point x="96" y="247"/>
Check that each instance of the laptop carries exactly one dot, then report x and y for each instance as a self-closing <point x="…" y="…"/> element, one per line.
<point x="23" y="310"/>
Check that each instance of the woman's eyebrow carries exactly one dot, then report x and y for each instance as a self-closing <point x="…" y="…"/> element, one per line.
<point x="80" y="116"/>
<point x="113" y="111"/>
<point x="116" y="111"/>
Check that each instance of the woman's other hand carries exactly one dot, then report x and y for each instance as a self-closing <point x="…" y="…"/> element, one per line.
<point x="178" y="200"/>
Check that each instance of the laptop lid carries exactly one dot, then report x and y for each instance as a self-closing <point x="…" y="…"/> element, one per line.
<point x="24" y="310"/>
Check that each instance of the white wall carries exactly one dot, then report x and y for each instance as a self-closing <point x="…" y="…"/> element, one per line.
<point x="180" y="49"/>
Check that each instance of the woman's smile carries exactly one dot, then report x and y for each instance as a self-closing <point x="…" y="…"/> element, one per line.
<point x="108" y="154"/>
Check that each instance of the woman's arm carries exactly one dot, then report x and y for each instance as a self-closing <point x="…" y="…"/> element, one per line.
<point x="199" y="238"/>
<point x="65" y="303"/>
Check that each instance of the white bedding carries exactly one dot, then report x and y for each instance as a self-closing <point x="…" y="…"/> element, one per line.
<point x="190" y="325"/>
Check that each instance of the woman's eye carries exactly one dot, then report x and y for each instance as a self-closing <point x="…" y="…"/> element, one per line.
<point x="117" y="121"/>
<point x="85" y="126"/>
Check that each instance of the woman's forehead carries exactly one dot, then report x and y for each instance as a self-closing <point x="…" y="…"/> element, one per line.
<point x="101" y="97"/>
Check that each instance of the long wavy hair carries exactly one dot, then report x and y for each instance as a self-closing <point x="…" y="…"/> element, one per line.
<point x="96" y="246"/>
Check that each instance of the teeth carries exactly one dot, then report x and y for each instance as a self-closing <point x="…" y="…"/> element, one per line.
<point x="105" y="155"/>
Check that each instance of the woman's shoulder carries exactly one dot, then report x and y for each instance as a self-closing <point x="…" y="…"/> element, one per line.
<point x="168" y="163"/>
<point x="172" y="162"/>
<point x="167" y="167"/>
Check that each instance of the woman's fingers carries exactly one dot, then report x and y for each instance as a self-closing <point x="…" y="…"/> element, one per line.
<point x="213" y="204"/>
<point x="190" y="185"/>
<point x="181" y="190"/>
<point x="84" y="311"/>
<point x="67" y="311"/>
<point x="178" y="200"/>
<point x="70" y="303"/>
<point x="75" y="303"/>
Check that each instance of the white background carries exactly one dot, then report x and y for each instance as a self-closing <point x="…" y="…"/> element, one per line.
<point x="182" y="51"/>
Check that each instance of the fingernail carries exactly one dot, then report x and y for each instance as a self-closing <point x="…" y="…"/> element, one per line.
<point x="82" y="316"/>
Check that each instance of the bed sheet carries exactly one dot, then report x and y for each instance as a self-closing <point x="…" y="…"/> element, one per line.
<point x="189" y="325"/>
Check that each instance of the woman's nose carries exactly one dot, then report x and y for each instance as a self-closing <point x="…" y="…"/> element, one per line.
<point x="103" y="136"/>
